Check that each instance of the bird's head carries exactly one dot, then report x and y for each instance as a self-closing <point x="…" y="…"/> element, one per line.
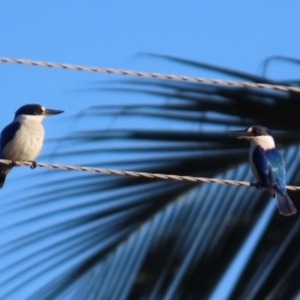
<point x="257" y="135"/>
<point x="35" y="111"/>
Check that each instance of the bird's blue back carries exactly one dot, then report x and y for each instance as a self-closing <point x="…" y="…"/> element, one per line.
<point x="270" y="167"/>
<point x="8" y="134"/>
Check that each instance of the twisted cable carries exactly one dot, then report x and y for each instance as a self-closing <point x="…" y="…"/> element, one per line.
<point x="135" y="174"/>
<point x="150" y="75"/>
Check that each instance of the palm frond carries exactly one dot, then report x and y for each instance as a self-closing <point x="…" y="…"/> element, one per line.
<point x="110" y="237"/>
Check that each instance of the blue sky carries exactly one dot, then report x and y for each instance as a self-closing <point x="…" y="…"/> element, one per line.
<point x="113" y="34"/>
<point x="236" y="34"/>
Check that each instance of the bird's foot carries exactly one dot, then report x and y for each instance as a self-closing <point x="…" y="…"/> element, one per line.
<point x="258" y="185"/>
<point x="33" y="164"/>
<point x="13" y="163"/>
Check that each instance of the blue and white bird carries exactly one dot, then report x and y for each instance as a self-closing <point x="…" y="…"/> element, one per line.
<point x="23" y="138"/>
<point x="267" y="165"/>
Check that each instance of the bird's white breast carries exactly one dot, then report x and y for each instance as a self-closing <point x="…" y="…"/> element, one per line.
<point x="265" y="141"/>
<point x="28" y="140"/>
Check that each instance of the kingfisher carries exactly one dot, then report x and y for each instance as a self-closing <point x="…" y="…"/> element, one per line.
<point x="23" y="138"/>
<point x="267" y="165"/>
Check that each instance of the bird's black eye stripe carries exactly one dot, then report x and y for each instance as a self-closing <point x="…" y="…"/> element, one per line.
<point x="256" y="131"/>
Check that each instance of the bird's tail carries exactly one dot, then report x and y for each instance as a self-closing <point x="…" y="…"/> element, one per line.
<point x="2" y="179"/>
<point x="285" y="205"/>
<point x="3" y="172"/>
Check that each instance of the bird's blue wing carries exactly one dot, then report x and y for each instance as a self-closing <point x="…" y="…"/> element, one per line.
<point x="8" y="134"/>
<point x="270" y="167"/>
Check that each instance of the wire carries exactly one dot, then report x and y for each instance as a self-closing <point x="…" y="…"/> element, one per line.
<point x="150" y="75"/>
<point x="134" y="174"/>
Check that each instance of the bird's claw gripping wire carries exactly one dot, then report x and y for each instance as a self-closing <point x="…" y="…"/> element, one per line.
<point x="33" y="164"/>
<point x="258" y="185"/>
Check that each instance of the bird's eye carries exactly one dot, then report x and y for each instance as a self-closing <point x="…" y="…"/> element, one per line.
<point x="39" y="110"/>
<point x="256" y="131"/>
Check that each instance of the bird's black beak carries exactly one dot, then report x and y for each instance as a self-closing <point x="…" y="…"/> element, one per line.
<point x="50" y="112"/>
<point x="241" y="134"/>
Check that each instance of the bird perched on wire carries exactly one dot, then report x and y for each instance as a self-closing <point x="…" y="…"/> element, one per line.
<point x="267" y="165"/>
<point x="23" y="138"/>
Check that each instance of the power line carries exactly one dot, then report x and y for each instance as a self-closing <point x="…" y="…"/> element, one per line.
<point x="135" y="174"/>
<point x="150" y="75"/>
